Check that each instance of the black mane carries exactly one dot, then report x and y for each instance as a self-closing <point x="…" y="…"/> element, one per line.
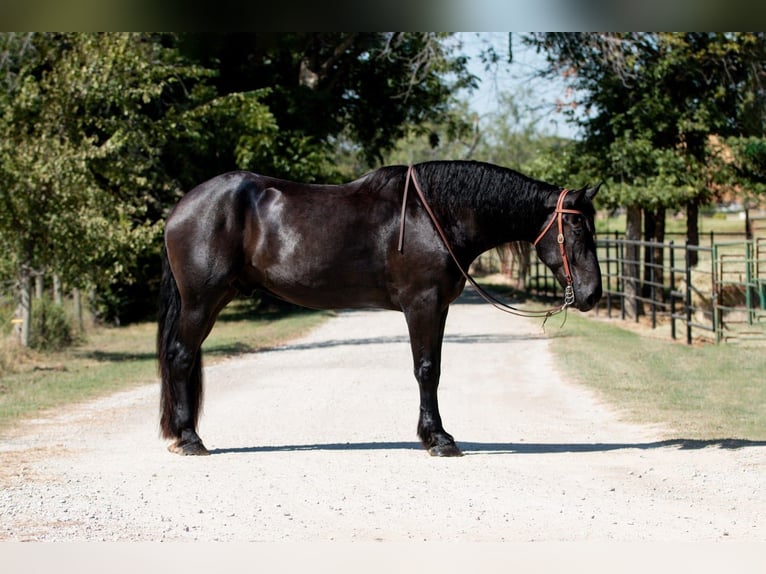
<point x="480" y="186"/>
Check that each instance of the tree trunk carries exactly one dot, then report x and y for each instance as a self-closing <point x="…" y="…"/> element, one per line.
<point x="693" y="229"/>
<point x="654" y="230"/>
<point x="632" y="264"/>
<point x="77" y="300"/>
<point x="57" y="296"/>
<point x="25" y="304"/>
<point x="39" y="284"/>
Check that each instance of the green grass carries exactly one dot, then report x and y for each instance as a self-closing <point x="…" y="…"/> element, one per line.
<point x="718" y="223"/>
<point x="115" y="359"/>
<point x="700" y="392"/>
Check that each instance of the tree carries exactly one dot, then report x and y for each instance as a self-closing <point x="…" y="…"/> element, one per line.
<point x="324" y="92"/>
<point x="101" y="133"/>
<point x="83" y="120"/>
<point x="456" y="135"/>
<point x="648" y="104"/>
<point x="364" y="88"/>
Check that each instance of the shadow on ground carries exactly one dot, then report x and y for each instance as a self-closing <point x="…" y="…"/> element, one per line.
<point x="469" y="448"/>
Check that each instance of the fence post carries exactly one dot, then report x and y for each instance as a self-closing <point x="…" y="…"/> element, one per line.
<point x="608" y="280"/>
<point x="716" y="272"/>
<point x="759" y="274"/>
<point x="652" y="292"/>
<point x="25" y="304"/>
<point x="620" y="277"/>
<point x="749" y="281"/>
<point x="672" y="290"/>
<point x="688" y="297"/>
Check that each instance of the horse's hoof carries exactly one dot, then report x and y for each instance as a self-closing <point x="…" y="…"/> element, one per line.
<point x="445" y="450"/>
<point x="195" y="448"/>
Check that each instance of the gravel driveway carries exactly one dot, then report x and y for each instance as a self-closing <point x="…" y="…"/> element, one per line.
<point x="316" y="441"/>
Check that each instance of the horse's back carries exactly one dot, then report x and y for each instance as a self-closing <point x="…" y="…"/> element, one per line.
<point x="316" y="245"/>
<point x="323" y="246"/>
<point x="236" y="189"/>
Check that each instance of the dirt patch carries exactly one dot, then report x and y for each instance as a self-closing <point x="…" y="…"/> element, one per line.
<point x="19" y="466"/>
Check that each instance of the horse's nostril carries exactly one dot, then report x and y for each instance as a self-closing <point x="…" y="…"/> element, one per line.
<point x="593" y="298"/>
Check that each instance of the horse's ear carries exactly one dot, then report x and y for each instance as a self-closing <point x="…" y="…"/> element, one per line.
<point x="591" y="193"/>
<point x="575" y="195"/>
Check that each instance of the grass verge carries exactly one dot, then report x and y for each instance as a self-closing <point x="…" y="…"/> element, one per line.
<point x="120" y="358"/>
<point x="702" y="392"/>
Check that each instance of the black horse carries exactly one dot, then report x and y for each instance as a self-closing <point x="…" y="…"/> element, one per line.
<point x="364" y="244"/>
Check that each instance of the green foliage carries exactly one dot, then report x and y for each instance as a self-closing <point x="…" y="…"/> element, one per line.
<point x="51" y="326"/>
<point x="366" y="88"/>
<point x="100" y="134"/>
<point x="454" y="136"/>
<point x="648" y="104"/>
<point x="510" y="136"/>
<point x="7" y="312"/>
<point x="741" y="161"/>
<point x="79" y="150"/>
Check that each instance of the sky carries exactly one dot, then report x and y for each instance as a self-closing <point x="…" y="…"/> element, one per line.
<point x="512" y="77"/>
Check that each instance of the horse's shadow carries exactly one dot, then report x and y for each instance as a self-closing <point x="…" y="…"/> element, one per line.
<point x="474" y="448"/>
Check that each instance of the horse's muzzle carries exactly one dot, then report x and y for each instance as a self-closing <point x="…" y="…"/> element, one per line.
<point x="588" y="301"/>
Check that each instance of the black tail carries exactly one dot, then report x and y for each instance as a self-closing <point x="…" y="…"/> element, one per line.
<point x="167" y="351"/>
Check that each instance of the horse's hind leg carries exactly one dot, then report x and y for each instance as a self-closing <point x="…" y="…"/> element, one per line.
<point x="182" y="396"/>
<point x="185" y="388"/>
<point x="426" y="327"/>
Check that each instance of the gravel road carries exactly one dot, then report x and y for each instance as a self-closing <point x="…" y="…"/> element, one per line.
<point x="316" y="441"/>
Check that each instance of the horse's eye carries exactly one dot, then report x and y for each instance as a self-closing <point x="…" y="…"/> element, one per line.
<point x="575" y="219"/>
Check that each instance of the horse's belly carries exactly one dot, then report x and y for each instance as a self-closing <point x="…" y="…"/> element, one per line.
<point x="339" y="290"/>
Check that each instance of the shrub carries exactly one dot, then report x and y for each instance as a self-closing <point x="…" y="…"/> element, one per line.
<point x="51" y="328"/>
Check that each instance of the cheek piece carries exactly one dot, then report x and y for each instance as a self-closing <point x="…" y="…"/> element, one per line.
<point x="557" y="216"/>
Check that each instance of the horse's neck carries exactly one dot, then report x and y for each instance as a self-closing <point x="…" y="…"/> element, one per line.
<point x="493" y="226"/>
<point x="512" y="208"/>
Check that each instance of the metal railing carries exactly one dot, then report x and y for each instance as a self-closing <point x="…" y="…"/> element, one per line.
<point x="665" y="286"/>
<point x="721" y="297"/>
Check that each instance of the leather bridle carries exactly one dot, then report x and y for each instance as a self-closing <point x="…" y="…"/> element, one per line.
<point x="557" y="216"/>
<point x="569" y="297"/>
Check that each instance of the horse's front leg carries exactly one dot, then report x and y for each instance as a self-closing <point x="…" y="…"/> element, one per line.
<point x="426" y="327"/>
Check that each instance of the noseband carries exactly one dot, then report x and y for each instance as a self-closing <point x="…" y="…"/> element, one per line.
<point x="569" y="297"/>
<point x="557" y="216"/>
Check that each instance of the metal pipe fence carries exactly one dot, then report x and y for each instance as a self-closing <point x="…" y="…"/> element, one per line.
<point x="665" y="288"/>
<point x="721" y="298"/>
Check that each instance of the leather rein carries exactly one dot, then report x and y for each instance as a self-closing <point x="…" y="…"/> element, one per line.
<point x="569" y="297"/>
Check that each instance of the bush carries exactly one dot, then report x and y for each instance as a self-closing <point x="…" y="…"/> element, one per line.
<point x="51" y="328"/>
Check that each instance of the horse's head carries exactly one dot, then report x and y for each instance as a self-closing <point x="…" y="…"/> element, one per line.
<point x="566" y="243"/>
